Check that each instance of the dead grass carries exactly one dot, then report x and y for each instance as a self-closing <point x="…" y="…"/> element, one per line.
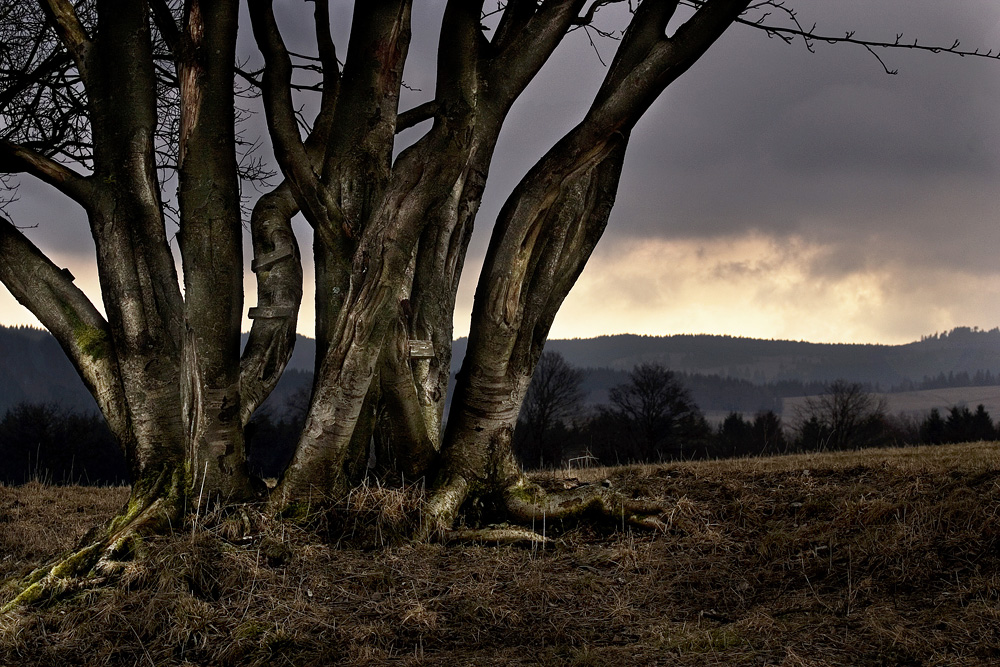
<point x="889" y="557"/>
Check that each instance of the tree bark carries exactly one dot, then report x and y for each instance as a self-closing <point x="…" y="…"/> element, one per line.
<point x="546" y="232"/>
<point x="211" y="249"/>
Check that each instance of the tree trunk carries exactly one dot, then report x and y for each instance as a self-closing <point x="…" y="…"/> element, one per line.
<point x="212" y="250"/>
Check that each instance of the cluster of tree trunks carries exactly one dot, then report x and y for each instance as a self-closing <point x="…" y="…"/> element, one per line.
<point x="390" y="233"/>
<point x="102" y="96"/>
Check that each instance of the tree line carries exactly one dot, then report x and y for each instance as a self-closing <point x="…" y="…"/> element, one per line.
<point x="652" y="417"/>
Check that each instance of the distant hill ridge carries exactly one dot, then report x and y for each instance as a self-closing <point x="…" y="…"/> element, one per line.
<point x="33" y="367"/>
<point x="962" y="350"/>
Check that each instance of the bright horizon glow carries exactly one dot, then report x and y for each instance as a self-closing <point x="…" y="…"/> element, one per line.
<point x="752" y="286"/>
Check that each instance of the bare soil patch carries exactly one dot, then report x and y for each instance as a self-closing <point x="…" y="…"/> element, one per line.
<point x="887" y="557"/>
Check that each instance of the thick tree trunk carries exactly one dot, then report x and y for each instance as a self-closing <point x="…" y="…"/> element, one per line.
<point x="348" y="367"/>
<point x="390" y="242"/>
<point x="511" y="317"/>
<point x="212" y="250"/>
<point x="546" y="232"/>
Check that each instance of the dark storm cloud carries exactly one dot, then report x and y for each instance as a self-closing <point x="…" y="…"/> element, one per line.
<point x="760" y="123"/>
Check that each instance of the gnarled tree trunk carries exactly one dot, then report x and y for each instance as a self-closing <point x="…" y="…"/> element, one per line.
<point x="390" y="236"/>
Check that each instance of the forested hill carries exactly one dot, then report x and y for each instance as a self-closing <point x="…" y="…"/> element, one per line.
<point x="33" y="368"/>
<point x="960" y="351"/>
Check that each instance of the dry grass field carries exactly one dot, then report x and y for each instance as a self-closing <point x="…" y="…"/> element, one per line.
<point x="887" y="557"/>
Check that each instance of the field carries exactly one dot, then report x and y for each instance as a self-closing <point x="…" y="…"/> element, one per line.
<point x="919" y="403"/>
<point x="886" y="557"/>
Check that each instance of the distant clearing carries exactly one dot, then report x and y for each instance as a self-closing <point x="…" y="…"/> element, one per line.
<point x="880" y="557"/>
<point x="918" y="403"/>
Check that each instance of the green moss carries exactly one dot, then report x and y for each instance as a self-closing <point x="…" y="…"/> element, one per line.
<point x="296" y="512"/>
<point x="251" y="630"/>
<point x="278" y="641"/>
<point x="527" y="493"/>
<point x="77" y="563"/>
<point x="93" y="341"/>
<point x="28" y="596"/>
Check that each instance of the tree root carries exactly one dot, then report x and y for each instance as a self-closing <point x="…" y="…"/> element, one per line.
<point x="441" y="510"/>
<point x="527" y="502"/>
<point x="512" y="535"/>
<point x="104" y="551"/>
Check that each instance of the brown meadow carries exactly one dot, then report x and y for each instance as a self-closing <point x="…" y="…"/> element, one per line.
<point x="879" y="557"/>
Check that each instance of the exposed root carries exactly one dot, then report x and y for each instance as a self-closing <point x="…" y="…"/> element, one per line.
<point x="513" y="535"/>
<point x="442" y="509"/>
<point x="527" y="502"/>
<point x="104" y="552"/>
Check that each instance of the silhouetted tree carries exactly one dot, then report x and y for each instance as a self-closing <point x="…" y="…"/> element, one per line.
<point x="845" y="417"/>
<point x="933" y="429"/>
<point x="962" y="425"/>
<point x="982" y="425"/>
<point x="738" y="437"/>
<point x="656" y="414"/>
<point x="554" y="397"/>
<point x="42" y="441"/>
<point x="768" y="434"/>
<point x="733" y="436"/>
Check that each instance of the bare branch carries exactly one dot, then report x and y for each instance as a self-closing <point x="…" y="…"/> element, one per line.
<point x="523" y="54"/>
<point x="588" y="17"/>
<point x="289" y="149"/>
<point x="18" y="159"/>
<point x="416" y="115"/>
<point x="71" y="32"/>
<point x="810" y="36"/>
<point x="163" y="17"/>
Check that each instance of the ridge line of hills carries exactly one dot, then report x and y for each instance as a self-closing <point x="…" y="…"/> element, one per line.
<point x="725" y="373"/>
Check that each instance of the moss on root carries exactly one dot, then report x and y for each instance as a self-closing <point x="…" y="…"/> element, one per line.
<point x="153" y="507"/>
<point x="527" y="502"/>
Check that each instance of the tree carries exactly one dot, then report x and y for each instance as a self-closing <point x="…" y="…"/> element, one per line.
<point x="846" y="416"/>
<point x="656" y="414"/>
<point x="933" y="429"/>
<point x="554" y="396"/>
<point x="39" y="441"/>
<point x="106" y="100"/>
<point x="733" y="437"/>
<point x="768" y="433"/>
<point x="963" y="425"/>
<point x="739" y="437"/>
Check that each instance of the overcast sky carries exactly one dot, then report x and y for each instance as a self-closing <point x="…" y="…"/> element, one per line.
<point x="771" y="192"/>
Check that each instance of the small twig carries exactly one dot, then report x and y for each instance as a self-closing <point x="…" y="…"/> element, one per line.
<point x="197" y="509"/>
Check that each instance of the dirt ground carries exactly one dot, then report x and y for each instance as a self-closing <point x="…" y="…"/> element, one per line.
<point x="886" y="557"/>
